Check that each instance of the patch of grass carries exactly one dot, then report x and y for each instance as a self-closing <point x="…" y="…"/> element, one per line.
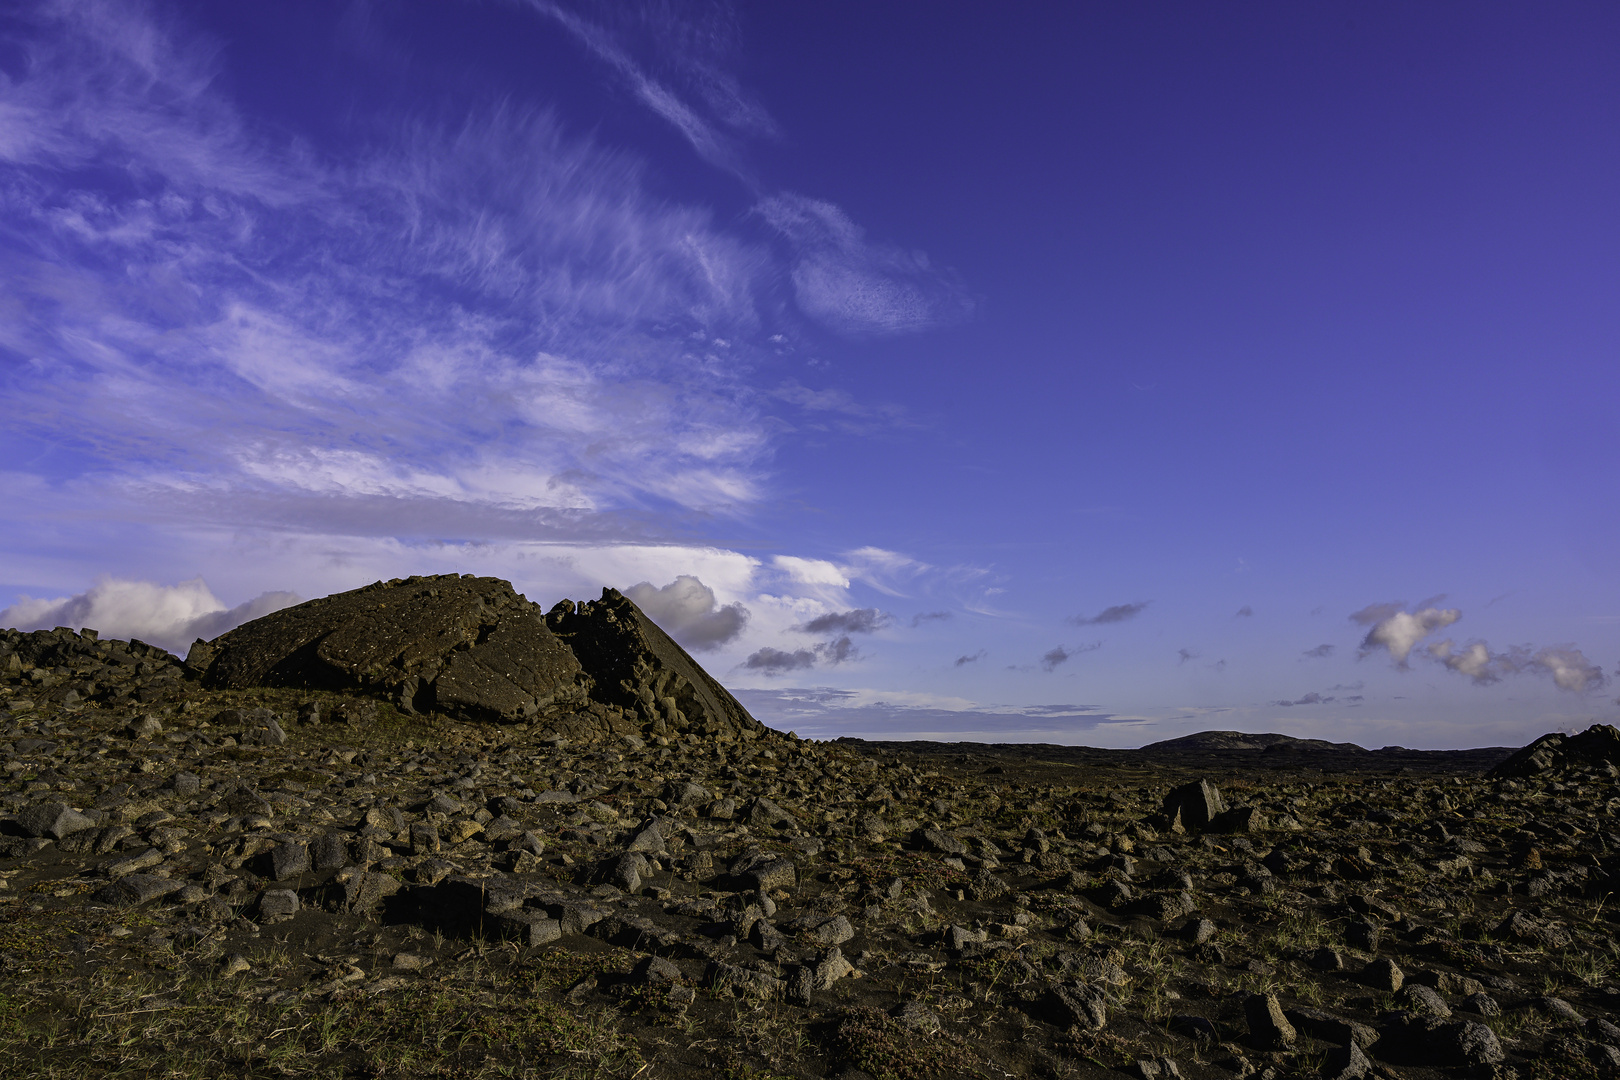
<point x="559" y="969"/>
<point x="873" y="1043"/>
<point x="1593" y="966"/>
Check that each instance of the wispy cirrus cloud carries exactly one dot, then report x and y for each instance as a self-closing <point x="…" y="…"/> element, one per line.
<point x="854" y="286"/>
<point x="714" y="109"/>
<point x="488" y="314"/>
<point x="841" y="279"/>
<point x="1118" y="613"/>
<point x="1062" y="654"/>
<point x="854" y="621"/>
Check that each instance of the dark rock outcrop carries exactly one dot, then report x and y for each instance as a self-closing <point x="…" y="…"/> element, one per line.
<point x="466" y="646"/>
<point x="639" y="669"/>
<point x="1597" y="745"/>
<point x="474" y="649"/>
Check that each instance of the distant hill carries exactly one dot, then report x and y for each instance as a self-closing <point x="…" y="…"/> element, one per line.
<point x="1243" y="740"/>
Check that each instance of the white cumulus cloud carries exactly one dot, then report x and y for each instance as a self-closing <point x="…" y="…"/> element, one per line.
<point x="169" y="616"/>
<point x="1399" y="631"/>
<point x="686" y="609"/>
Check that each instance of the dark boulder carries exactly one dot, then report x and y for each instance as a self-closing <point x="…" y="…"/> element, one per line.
<point x="639" y="669"/>
<point x="466" y="646"/>
<point x="1194" y="807"/>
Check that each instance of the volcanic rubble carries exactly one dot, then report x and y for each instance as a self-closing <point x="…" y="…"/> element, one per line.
<point x="426" y="829"/>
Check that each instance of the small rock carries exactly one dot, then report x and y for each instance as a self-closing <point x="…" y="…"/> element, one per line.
<point x="134" y="889"/>
<point x="648" y="839"/>
<point x="53" y="819"/>
<point x="146" y="860"/>
<point x="1559" y="1009"/>
<point x="289" y="859"/>
<point x="146" y="727"/>
<point x="763" y="811"/>
<point x="835" y="931"/>
<point x="1076" y="1006"/>
<point x="331" y="853"/>
<point x="278" y="903"/>
<point x="917" y="1016"/>
<point x="1425" y="1001"/>
<point x="1198" y="931"/>
<point x="1269" y="1029"/>
<point x="1193" y="807"/>
<point x="1385" y="975"/>
<point x="1347" y="1062"/>
<point x="656" y="971"/>
<point x="259" y="728"/>
<point x="443" y="804"/>
<point x="1469" y="1043"/>
<point x="530" y="927"/>
<point x="425" y="840"/>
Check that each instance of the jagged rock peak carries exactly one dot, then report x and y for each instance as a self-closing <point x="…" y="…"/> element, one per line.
<point x="638" y="668"/>
<point x="470" y="647"/>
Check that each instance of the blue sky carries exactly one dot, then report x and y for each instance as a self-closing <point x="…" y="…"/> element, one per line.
<point x="1086" y="373"/>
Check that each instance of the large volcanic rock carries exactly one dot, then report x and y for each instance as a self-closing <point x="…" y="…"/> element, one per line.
<point x="639" y="669"/>
<point x="467" y="646"/>
<point x="475" y="649"/>
<point x="1597" y="745"/>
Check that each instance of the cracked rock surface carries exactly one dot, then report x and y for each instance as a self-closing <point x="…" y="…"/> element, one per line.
<point x="204" y="878"/>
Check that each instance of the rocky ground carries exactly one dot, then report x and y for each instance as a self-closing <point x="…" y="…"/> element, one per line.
<point x="284" y="881"/>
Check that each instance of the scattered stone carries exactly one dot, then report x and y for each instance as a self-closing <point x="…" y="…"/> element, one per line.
<point x="1469" y="1043"/>
<point x="1194" y="807"/>
<point x="1269" y="1029"/>
<point x="278" y="903"/>
<point x="1076" y="1005"/>
<point x="289" y="859"/>
<point x="133" y="889"/>
<point x="627" y="840"/>
<point x="1424" y="1001"/>
<point x="1385" y="975"/>
<point x="55" y="820"/>
<point x="1346" y="1062"/>
<point x="145" y="727"/>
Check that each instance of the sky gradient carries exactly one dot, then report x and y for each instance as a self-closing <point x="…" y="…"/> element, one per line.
<point x="1089" y="374"/>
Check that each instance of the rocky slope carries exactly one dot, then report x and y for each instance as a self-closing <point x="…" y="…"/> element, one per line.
<point x="202" y="879"/>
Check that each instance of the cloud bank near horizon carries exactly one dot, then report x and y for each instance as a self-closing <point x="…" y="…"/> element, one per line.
<point x="168" y="616"/>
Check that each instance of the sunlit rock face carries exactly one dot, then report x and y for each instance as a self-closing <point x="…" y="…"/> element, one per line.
<point x="469" y="647"/>
<point x="473" y="648"/>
